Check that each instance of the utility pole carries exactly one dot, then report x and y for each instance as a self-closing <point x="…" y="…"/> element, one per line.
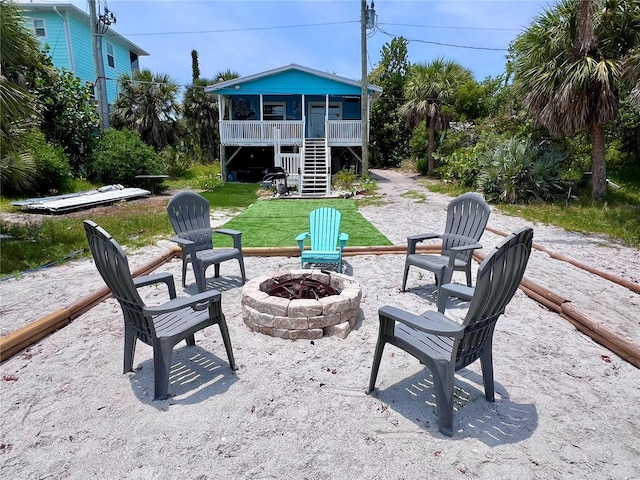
<point x="367" y="20"/>
<point x="98" y="60"/>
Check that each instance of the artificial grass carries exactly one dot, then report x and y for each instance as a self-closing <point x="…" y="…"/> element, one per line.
<point x="276" y="223"/>
<point x="231" y="195"/>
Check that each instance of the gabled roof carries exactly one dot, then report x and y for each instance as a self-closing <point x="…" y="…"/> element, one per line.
<point x="233" y="83"/>
<point x="64" y="7"/>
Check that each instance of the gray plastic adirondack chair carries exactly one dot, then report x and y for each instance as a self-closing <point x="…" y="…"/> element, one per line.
<point x="446" y="346"/>
<point x="189" y="216"/>
<point x="467" y="217"/>
<point x="326" y="240"/>
<point x="163" y="326"/>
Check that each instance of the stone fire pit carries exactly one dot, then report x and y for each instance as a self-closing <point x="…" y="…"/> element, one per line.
<point x="301" y="318"/>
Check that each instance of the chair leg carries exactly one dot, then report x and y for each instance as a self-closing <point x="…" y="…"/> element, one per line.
<point x="340" y="265"/>
<point x="201" y="279"/>
<point x="406" y="274"/>
<point x="468" y="272"/>
<point x="216" y="268"/>
<point x="162" y="354"/>
<point x="241" y="262"/>
<point x="377" y="357"/>
<point x="184" y="269"/>
<point x="224" y="331"/>
<point x="486" y="363"/>
<point x="191" y="340"/>
<point x="129" y="348"/>
<point x="443" y="383"/>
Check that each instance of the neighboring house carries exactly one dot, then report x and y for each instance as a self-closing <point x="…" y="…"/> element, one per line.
<point x="302" y="120"/>
<point x="66" y="30"/>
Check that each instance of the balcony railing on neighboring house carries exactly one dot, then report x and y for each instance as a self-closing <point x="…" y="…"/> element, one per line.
<point x="261" y="133"/>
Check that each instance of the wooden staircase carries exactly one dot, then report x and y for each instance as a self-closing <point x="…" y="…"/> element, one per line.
<point x="316" y="172"/>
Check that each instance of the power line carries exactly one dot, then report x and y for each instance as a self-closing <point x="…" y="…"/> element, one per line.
<point x="441" y="43"/>
<point x="452" y="28"/>
<point x="246" y="29"/>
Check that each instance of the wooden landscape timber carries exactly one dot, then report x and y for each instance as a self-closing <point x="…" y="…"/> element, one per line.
<point x="26" y="336"/>
<point x="634" y="287"/>
<point x="22" y="338"/>
<point x="606" y="337"/>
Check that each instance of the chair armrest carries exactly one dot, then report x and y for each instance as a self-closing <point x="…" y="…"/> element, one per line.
<point x="235" y="234"/>
<point x="413" y="240"/>
<point x="179" y="303"/>
<point x="301" y="238"/>
<point x="343" y="238"/>
<point x="183" y="242"/>
<point x="429" y="322"/>
<point x="453" y="251"/>
<point x="453" y="290"/>
<point x="164" y="277"/>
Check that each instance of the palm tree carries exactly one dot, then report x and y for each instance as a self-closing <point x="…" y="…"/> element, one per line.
<point x="200" y="110"/>
<point x="568" y="65"/>
<point x="18" y="50"/>
<point x="632" y="65"/>
<point x="148" y="104"/>
<point x="224" y="75"/>
<point x="429" y="89"/>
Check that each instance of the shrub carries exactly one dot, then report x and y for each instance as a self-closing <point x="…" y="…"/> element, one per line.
<point x="53" y="171"/>
<point x="461" y="166"/>
<point x="120" y="155"/>
<point x="346" y="179"/>
<point x="517" y="171"/>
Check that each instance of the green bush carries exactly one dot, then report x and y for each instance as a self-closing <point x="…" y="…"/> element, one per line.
<point x="517" y="171"/>
<point x="53" y="171"/>
<point x="461" y="166"/>
<point x="120" y="155"/>
<point x="346" y="179"/>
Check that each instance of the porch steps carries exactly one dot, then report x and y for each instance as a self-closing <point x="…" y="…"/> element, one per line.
<point x="315" y="176"/>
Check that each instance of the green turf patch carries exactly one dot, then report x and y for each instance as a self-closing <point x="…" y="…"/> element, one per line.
<point x="230" y="195"/>
<point x="276" y="223"/>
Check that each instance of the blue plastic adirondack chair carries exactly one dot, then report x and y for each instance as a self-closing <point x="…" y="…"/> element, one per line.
<point x="327" y="242"/>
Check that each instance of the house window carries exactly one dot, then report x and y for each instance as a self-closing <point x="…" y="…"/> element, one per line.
<point x="39" y="28"/>
<point x="274" y="111"/>
<point x="111" y="59"/>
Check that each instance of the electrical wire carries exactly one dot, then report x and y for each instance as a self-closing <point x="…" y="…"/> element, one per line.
<point x="440" y="43"/>
<point x="245" y="29"/>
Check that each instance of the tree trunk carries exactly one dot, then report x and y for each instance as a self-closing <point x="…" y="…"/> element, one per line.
<point x="432" y="141"/>
<point x="598" y="166"/>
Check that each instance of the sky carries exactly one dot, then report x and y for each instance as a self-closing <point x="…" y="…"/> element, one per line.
<point x="254" y="36"/>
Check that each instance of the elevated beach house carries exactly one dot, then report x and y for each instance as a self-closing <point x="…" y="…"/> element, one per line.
<point x="304" y="121"/>
<point x="66" y="31"/>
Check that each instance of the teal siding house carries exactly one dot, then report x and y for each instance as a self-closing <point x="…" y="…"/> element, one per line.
<point x="304" y="121"/>
<point x="66" y="30"/>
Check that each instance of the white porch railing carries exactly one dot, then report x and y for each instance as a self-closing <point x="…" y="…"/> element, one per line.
<point x="250" y="132"/>
<point x="290" y="162"/>
<point x="344" y="132"/>
<point x="261" y="133"/>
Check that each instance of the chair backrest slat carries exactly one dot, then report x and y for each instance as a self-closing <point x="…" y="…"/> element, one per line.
<point x="189" y="212"/>
<point x="324" y="228"/>
<point x="467" y="217"/>
<point x="113" y="266"/>
<point x="499" y="276"/>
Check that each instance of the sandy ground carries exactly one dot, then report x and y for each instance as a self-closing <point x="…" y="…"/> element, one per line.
<point x="565" y="406"/>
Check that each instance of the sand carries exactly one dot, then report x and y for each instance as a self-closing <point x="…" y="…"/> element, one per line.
<point x="565" y="407"/>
